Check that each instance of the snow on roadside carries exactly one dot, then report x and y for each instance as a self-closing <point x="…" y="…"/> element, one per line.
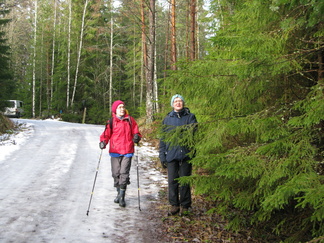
<point x="147" y="154"/>
<point x="10" y="142"/>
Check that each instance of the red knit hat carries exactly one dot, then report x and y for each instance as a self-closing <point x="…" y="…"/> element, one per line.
<point x="115" y="105"/>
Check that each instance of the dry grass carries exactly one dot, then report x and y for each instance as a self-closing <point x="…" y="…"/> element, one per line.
<point x="5" y="124"/>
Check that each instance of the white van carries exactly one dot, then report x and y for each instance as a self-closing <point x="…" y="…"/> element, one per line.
<point x="14" y="109"/>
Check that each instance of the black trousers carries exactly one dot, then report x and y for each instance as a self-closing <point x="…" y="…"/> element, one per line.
<point x="179" y="195"/>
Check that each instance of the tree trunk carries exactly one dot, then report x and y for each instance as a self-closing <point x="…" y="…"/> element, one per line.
<point x="79" y="51"/>
<point x="69" y="57"/>
<point x="142" y="79"/>
<point x="321" y="65"/>
<point x="193" y="30"/>
<point x="198" y="55"/>
<point x="166" y="52"/>
<point x="134" y="68"/>
<point x="53" y="55"/>
<point x="41" y="79"/>
<point x="150" y="65"/>
<point x="173" y="36"/>
<point x="34" y="62"/>
<point x="155" y="85"/>
<point x="111" y="56"/>
<point x="144" y="50"/>
<point x="48" y="81"/>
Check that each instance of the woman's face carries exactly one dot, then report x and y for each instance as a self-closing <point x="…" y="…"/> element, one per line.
<point x="177" y="104"/>
<point x="120" y="111"/>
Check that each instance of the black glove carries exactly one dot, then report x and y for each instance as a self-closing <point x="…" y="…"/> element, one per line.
<point x="102" y="145"/>
<point x="164" y="164"/>
<point x="136" y="138"/>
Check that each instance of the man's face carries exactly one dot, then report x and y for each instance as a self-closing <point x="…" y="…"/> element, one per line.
<point x="177" y="104"/>
<point x="120" y="111"/>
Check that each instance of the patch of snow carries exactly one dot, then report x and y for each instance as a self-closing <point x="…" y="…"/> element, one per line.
<point x="9" y="143"/>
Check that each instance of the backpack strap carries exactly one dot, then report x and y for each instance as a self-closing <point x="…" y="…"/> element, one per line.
<point x="110" y="123"/>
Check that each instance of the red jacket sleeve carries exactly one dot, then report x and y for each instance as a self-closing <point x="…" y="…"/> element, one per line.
<point x="105" y="136"/>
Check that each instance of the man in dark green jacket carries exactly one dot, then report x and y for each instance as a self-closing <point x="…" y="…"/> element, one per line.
<point x="175" y="158"/>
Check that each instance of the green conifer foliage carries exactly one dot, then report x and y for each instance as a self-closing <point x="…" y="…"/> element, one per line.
<point x="259" y="100"/>
<point x="6" y="84"/>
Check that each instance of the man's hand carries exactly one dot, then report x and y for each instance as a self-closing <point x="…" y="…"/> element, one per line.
<point x="102" y="145"/>
<point x="164" y="164"/>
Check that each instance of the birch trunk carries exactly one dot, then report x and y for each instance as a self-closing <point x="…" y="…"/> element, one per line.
<point x="150" y="65"/>
<point x="41" y="75"/>
<point x="79" y="52"/>
<point x="155" y="85"/>
<point x="53" y="56"/>
<point x="142" y="79"/>
<point x="34" y="61"/>
<point x="69" y="57"/>
<point x="144" y="50"/>
<point x="144" y="47"/>
<point x="134" y="68"/>
<point x="111" y="56"/>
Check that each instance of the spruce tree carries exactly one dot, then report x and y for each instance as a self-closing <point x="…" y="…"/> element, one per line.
<point x="259" y="100"/>
<point x="7" y="85"/>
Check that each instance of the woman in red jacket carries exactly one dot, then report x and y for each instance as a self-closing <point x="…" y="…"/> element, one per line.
<point x="121" y="132"/>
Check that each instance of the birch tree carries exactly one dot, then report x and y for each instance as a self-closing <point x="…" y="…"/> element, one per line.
<point x="155" y="84"/>
<point x="111" y="53"/>
<point x="144" y="47"/>
<point x="150" y="64"/>
<point x="53" y="55"/>
<point x="79" y="50"/>
<point x="69" y="56"/>
<point x="34" y="61"/>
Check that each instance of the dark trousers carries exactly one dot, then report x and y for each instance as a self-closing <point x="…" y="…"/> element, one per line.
<point x="179" y="195"/>
<point x="120" y="168"/>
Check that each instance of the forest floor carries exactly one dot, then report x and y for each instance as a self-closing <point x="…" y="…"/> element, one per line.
<point x="198" y="226"/>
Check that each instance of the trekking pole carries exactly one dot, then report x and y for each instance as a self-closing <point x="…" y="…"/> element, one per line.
<point x="138" y="187"/>
<point x="94" y="183"/>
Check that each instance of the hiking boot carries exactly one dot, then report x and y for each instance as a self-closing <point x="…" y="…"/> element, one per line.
<point x="185" y="211"/>
<point x="174" y="210"/>
<point x="122" y="198"/>
<point x="117" y="197"/>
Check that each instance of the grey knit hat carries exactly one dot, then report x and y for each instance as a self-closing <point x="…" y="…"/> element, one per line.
<point x="176" y="96"/>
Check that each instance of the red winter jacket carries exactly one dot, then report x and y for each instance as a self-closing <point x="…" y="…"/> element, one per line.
<point x="121" y="136"/>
